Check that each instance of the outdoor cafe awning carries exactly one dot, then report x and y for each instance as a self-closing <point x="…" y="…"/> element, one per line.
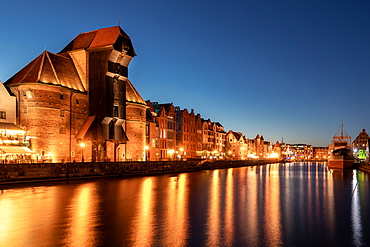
<point x="9" y="126"/>
<point x="15" y="150"/>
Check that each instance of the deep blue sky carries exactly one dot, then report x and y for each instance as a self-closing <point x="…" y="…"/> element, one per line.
<point x="292" y="69"/>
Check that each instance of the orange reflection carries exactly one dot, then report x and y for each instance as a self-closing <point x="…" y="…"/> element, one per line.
<point x="82" y="231"/>
<point x="18" y="214"/>
<point x="213" y="221"/>
<point x="251" y="200"/>
<point x="7" y="223"/>
<point x="229" y="210"/>
<point x="143" y="229"/>
<point x="272" y="208"/>
<point x="176" y="221"/>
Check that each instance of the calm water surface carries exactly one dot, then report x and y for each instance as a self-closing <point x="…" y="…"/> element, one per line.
<point x="297" y="204"/>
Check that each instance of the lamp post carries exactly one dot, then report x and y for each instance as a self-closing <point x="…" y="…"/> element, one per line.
<point x="171" y="152"/>
<point x="181" y="153"/>
<point x="82" y="145"/>
<point x="146" y="153"/>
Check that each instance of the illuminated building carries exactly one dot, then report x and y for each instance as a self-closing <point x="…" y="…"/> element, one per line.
<point x="320" y="153"/>
<point x="83" y="95"/>
<point x="165" y="117"/>
<point x="360" y="145"/>
<point x="186" y="133"/>
<point x="301" y="152"/>
<point x="257" y="147"/>
<point x="276" y="151"/>
<point x="294" y="152"/>
<point x="213" y="140"/>
<point x="237" y="146"/>
<point x="152" y="135"/>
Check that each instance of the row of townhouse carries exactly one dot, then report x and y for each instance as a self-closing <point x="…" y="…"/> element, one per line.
<point x="174" y="133"/>
<point x="239" y="147"/>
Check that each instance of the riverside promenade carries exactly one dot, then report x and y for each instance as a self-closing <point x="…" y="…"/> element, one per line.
<point x="36" y="172"/>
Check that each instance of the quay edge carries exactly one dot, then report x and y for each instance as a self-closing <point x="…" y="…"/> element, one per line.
<point x="40" y="172"/>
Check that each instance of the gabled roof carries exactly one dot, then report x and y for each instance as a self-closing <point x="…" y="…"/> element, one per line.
<point x="49" y="68"/>
<point x="101" y="38"/>
<point x="132" y="94"/>
<point x="237" y="135"/>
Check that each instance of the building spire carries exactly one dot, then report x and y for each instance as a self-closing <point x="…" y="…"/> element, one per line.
<point x="119" y="21"/>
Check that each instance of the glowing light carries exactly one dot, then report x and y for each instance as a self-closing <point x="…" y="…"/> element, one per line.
<point x="274" y="155"/>
<point x="171" y="151"/>
<point x="82" y="144"/>
<point x="146" y="147"/>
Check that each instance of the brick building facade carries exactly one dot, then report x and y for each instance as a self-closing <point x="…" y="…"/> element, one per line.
<point x="80" y="102"/>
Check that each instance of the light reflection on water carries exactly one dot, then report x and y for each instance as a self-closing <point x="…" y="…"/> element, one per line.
<point x="143" y="221"/>
<point x="297" y="204"/>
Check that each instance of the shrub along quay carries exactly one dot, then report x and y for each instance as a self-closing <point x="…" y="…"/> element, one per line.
<point x="19" y="173"/>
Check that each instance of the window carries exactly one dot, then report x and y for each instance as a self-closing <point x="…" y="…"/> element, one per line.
<point x="62" y="113"/>
<point x="2" y="114"/>
<point x="62" y="96"/>
<point x="77" y="102"/>
<point x="62" y="129"/>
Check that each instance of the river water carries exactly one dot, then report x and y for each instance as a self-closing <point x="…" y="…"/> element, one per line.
<point x="295" y="204"/>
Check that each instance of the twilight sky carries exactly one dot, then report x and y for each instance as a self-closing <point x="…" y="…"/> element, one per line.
<point x="293" y="69"/>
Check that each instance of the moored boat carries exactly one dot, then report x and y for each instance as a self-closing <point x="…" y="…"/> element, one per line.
<point x="341" y="154"/>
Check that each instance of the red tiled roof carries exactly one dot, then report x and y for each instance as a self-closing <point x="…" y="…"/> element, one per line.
<point x="98" y="38"/>
<point x="49" y="68"/>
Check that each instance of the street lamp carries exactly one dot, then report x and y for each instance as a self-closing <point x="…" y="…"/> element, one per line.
<point x="82" y="145"/>
<point x="171" y="152"/>
<point x="146" y="152"/>
<point x="181" y="153"/>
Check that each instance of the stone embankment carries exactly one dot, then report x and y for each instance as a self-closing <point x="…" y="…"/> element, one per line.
<point x="19" y="173"/>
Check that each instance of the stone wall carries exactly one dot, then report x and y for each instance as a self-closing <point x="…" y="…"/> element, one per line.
<point x="11" y="173"/>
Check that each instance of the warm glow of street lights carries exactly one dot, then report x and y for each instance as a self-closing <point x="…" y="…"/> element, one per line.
<point x="274" y="155"/>
<point x="82" y="145"/>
